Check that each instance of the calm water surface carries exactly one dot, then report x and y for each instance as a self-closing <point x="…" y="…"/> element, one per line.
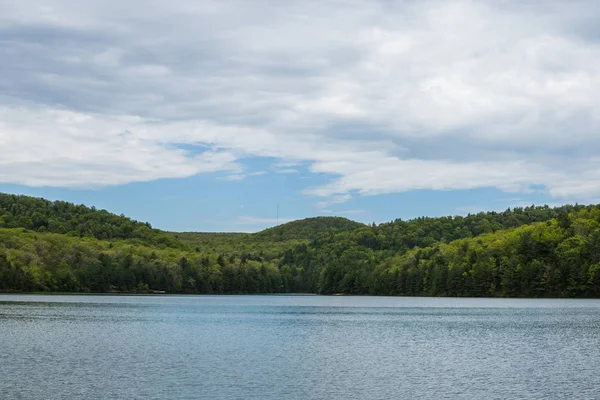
<point x="297" y="347"/>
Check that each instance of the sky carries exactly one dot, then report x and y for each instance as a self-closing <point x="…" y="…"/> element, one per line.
<point x="210" y="115"/>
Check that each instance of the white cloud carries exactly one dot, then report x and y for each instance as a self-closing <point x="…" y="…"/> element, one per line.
<point x="380" y="96"/>
<point x="64" y="148"/>
<point x="323" y="206"/>
<point x="241" y="176"/>
<point x="288" y="171"/>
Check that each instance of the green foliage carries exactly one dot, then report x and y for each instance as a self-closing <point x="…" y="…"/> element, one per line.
<point x="77" y="220"/>
<point x="532" y="251"/>
<point x="32" y="261"/>
<point x="308" y="228"/>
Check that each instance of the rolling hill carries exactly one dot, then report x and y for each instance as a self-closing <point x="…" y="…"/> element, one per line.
<point x="531" y="251"/>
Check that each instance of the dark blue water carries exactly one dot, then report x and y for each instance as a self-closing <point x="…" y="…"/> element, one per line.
<point x="297" y="347"/>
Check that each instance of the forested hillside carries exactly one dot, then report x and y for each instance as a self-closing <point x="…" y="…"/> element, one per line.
<point x="75" y="220"/>
<point x="532" y="251"/>
<point x="308" y="229"/>
<point x="556" y="258"/>
<point x="272" y="241"/>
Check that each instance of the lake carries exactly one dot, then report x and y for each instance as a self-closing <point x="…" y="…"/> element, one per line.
<point x="297" y="347"/>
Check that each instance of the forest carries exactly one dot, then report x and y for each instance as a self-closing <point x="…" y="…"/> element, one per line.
<point x="536" y="251"/>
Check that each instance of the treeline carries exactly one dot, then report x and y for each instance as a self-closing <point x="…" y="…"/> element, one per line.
<point x="531" y="251"/>
<point x="540" y="260"/>
<point x="308" y="228"/>
<point x="32" y="261"/>
<point x="478" y="255"/>
<point x="76" y="220"/>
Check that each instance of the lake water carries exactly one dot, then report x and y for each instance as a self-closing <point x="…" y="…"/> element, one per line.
<point x="297" y="347"/>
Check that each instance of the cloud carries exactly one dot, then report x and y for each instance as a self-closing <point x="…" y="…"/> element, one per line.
<point x="288" y="171"/>
<point x="241" y="176"/>
<point x="333" y="199"/>
<point x="65" y="148"/>
<point x="378" y="96"/>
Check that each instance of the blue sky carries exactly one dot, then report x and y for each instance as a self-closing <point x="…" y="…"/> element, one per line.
<point x="206" y="115"/>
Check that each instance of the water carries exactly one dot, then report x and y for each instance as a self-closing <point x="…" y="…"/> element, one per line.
<point x="297" y="347"/>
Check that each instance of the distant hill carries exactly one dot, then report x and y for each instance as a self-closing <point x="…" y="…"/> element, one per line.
<point x="532" y="251"/>
<point x="42" y="215"/>
<point x="309" y="228"/>
<point x="271" y="242"/>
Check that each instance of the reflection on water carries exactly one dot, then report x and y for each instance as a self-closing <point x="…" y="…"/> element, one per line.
<point x="297" y="347"/>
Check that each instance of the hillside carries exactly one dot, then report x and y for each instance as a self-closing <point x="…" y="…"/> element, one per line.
<point x="308" y="229"/>
<point x="556" y="258"/>
<point x="76" y="220"/>
<point x="532" y="251"/>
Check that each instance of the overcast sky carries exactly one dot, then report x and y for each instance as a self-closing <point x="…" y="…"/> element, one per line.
<point x="203" y="115"/>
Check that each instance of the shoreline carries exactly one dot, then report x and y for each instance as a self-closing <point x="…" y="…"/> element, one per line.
<point x="281" y="295"/>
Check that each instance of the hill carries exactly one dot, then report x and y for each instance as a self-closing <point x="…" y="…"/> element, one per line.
<point x="308" y="229"/>
<point x="557" y="257"/>
<point x="76" y="220"/>
<point x="269" y="242"/>
<point x="531" y="251"/>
